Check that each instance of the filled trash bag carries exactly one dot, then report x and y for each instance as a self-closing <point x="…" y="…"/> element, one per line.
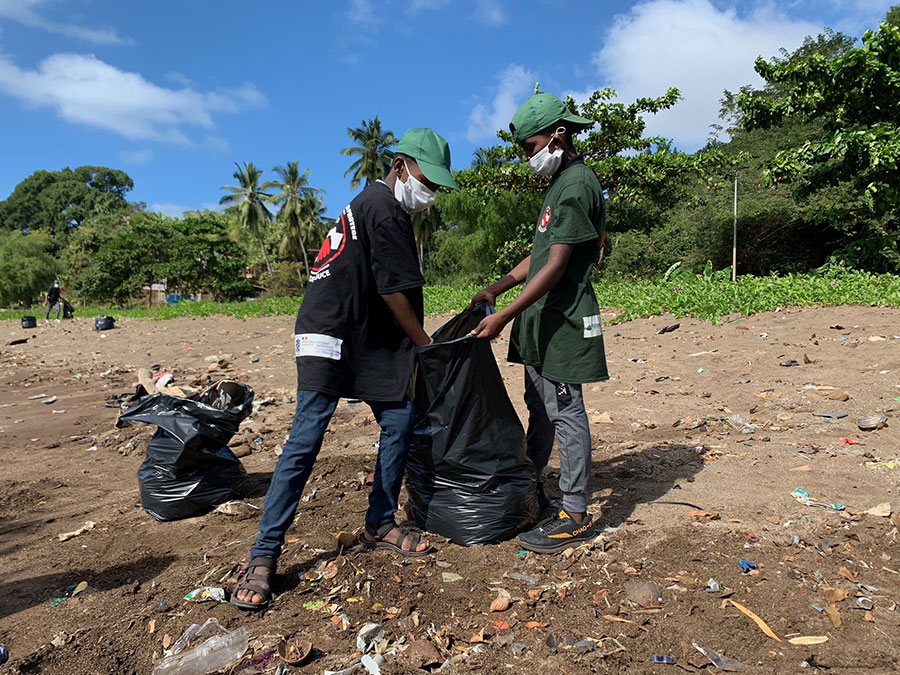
<point x="468" y="475"/>
<point x="68" y="310"/>
<point x="29" y="322"/>
<point x="189" y="468"/>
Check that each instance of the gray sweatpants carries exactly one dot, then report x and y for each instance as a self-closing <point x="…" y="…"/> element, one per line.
<point x="557" y="410"/>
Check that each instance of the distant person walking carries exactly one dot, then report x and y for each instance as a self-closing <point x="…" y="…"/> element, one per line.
<point x="53" y="300"/>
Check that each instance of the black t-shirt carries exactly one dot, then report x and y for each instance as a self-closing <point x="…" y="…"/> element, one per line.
<point x="347" y="342"/>
<point x="53" y="295"/>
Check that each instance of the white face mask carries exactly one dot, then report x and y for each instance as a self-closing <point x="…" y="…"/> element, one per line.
<point x="413" y="195"/>
<point x="545" y="162"/>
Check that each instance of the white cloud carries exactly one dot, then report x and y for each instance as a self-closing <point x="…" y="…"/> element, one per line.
<point x="417" y="6"/>
<point x="85" y="90"/>
<point x="489" y="13"/>
<point x="25" y="12"/>
<point x="136" y="156"/>
<point x="692" y="45"/>
<point x="362" y="12"/>
<point x="168" y="209"/>
<point x="516" y="84"/>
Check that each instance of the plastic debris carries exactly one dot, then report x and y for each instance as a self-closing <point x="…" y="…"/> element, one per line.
<point x="803" y="497"/>
<point x="664" y="658"/>
<point x="713" y="586"/>
<point x="668" y="329"/>
<point x="720" y="661"/>
<point x="88" y="526"/>
<point x="809" y="640"/>
<point x="214" y="653"/>
<point x="206" y="593"/>
<point x="789" y="363"/>
<point x="747" y="565"/>
<point x="313" y="604"/>
<point x="450" y="577"/>
<point x="865" y="603"/>
<point x="48" y="401"/>
<point x="4" y="654"/>
<point x="884" y="510"/>
<point x="524" y="578"/>
<point x="372" y="663"/>
<point x="865" y="424"/>
<point x="80" y="588"/>
<point x="368" y="635"/>
<point x="831" y="415"/>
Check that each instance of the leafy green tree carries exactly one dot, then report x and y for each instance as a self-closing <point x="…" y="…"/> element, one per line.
<point x="299" y="204"/>
<point x="854" y="96"/>
<point x="249" y="198"/>
<point x="26" y="267"/>
<point x="56" y="201"/>
<point x="494" y="156"/>
<point x="373" y="151"/>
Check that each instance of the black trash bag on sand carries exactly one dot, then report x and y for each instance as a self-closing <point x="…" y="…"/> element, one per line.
<point x="468" y="475"/>
<point x="189" y="468"/>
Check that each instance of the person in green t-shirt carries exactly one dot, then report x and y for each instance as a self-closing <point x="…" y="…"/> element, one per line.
<point x="556" y="333"/>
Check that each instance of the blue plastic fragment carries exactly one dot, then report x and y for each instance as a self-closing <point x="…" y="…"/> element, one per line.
<point x="747" y="565"/>
<point x="665" y="658"/>
<point x="4" y="654"/>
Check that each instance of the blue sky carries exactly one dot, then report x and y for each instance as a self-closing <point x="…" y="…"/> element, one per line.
<point x="174" y="92"/>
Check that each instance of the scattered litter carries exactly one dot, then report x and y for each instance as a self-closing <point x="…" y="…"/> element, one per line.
<point x="450" y="577"/>
<point x="294" y="652"/>
<point x="789" y="363"/>
<point x="524" y="578"/>
<point x="89" y="525"/>
<point x="831" y="415"/>
<point x="720" y="661"/>
<point x="368" y="636"/>
<point x="4" y="654"/>
<point x="668" y="329"/>
<point x="206" y="593"/>
<point x="849" y="441"/>
<point x="665" y="658"/>
<point x="834" y="616"/>
<point x="868" y="423"/>
<point x="313" y="604"/>
<point x="235" y="508"/>
<point x="80" y="588"/>
<point x="803" y="497"/>
<point x="713" y="586"/>
<point x="213" y="654"/>
<point x="809" y="640"/>
<point x="891" y="464"/>
<point x="865" y="603"/>
<point x="747" y="565"/>
<point x="48" y="401"/>
<point x="37" y="396"/>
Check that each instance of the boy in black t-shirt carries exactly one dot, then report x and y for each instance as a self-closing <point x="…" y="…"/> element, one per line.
<point x="355" y="336"/>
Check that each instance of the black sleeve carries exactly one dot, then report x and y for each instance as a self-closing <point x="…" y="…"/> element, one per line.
<point x="395" y="261"/>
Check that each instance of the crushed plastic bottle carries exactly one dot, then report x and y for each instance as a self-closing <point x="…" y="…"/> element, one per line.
<point x="209" y="656"/>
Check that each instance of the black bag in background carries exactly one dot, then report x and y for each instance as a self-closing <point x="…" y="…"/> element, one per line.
<point x="29" y="322"/>
<point x="468" y="475"/>
<point x="68" y="310"/>
<point x="104" y="323"/>
<point x="189" y="468"/>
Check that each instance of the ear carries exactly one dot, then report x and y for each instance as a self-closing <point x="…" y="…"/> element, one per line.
<point x="398" y="166"/>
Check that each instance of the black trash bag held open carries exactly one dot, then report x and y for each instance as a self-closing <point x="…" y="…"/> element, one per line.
<point x="468" y="475"/>
<point x="189" y="468"/>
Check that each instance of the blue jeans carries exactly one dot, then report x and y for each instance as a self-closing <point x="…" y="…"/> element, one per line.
<point x="314" y="411"/>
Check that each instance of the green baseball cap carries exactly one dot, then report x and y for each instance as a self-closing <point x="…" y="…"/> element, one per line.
<point x="538" y="113"/>
<point x="431" y="153"/>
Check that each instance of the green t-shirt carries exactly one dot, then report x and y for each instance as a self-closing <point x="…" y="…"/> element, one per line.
<point x="560" y="334"/>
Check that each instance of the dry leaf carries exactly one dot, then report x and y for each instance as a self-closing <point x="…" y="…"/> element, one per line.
<point x="477" y="637"/>
<point x="331" y="570"/>
<point x="834" y="615"/>
<point x="763" y="626"/>
<point x="535" y="624"/>
<point x="869" y="617"/>
<point x="167" y="640"/>
<point x="535" y="594"/>
<point x="561" y="592"/>
<point x="835" y="595"/>
<point x="602" y="594"/>
<point x="808" y="640"/>
<point x="500" y="604"/>
<point x="848" y="575"/>
<point x="151" y="627"/>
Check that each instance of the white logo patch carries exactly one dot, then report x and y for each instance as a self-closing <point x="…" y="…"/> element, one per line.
<point x="316" y="344"/>
<point x="592" y="326"/>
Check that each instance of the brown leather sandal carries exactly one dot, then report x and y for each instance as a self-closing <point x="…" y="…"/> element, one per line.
<point x="411" y="536"/>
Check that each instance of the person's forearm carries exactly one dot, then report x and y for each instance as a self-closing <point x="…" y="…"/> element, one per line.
<point x="542" y="282"/>
<point x="517" y="275"/>
<point x="403" y="311"/>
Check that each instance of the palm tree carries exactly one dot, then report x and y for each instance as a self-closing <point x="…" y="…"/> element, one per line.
<point x="373" y="147"/>
<point x="296" y="198"/>
<point x="492" y="157"/>
<point x="425" y="224"/>
<point x="248" y="197"/>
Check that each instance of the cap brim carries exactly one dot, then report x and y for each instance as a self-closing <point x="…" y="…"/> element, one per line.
<point x="578" y="119"/>
<point x="437" y="174"/>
